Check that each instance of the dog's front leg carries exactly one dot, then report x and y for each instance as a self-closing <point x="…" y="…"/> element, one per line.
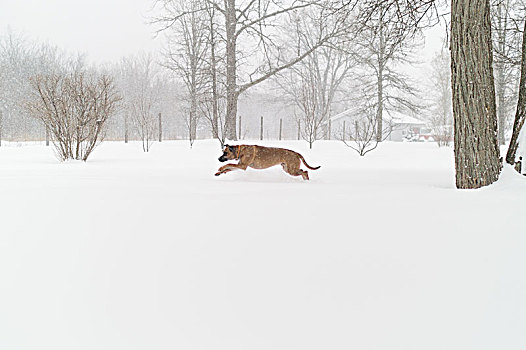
<point x="229" y="167"/>
<point x="223" y="169"/>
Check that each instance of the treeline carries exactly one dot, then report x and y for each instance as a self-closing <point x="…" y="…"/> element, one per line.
<point x="298" y="62"/>
<point x="143" y="89"/>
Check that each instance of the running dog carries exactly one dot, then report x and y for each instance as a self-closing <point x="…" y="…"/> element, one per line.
<point x="259" y="157"/>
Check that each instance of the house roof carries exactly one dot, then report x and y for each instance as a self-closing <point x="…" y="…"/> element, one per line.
<point x="394" y="117"/>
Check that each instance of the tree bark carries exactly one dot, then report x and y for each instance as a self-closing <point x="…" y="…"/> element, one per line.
<point x="476" y="149"/>
<point x="520" y="114"/>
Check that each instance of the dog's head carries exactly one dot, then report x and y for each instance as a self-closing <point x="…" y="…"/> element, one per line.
<point x="229" y="153"/>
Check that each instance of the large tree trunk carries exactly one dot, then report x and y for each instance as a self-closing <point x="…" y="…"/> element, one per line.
<point x="231" y="72"/>
<point x="476" y="149"/>
<point x="520" y="115"/>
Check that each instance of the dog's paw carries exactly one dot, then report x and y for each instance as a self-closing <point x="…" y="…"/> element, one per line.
<point x="218" y="173"/>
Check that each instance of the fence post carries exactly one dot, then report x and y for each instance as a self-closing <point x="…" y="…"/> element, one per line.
<point x="160" y="128"/>
<point x="239" y="126"/>
<point x="299" y="129"/>
<point x="125" y="128"/>
<point x="329" y="135"/>
<point x="47" y="136"/>
<point x="343" y="133"/>
<point x="261" y="130"/>
<point x="280" y="127"/>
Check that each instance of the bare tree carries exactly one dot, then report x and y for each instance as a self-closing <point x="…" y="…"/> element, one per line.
<point x="384" y="43"/>
<point x="361" y="135"/>
<point x="505" y="18"/>
<point x="187" y="55"/>
<point x="311" y="117"/>
<point x="214" y="97"/>
<point x="141" y="89"/>
<point x="473" y="89"/>
<point x="314" y="83"/>
<point x="20" y="59"/>
<point x="476" y="149"/>
<point x="74" y="106"/>
<point x="213" y="110"/>
<point x="249" y="28"/>
<point x="520" y="115"/>
<point x="1" y="127"/>
<point x="411" y="14"/>
<point x="441" y="117"/>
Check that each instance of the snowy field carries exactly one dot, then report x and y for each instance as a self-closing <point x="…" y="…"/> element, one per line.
<point x="152" y="252"/>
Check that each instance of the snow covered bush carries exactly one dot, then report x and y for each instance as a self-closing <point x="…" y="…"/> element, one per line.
<point x="74" y="107"/>
<point x="362" y="134"/>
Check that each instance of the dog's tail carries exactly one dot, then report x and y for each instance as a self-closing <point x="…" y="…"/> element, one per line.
<point x="307" y="165"/>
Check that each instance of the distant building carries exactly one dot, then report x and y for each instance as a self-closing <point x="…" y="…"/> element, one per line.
<point x="402" y="127"/>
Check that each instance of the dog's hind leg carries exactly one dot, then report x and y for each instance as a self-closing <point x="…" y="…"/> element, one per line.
<point x="295" y="171"/>
<point x="304" y="174"/>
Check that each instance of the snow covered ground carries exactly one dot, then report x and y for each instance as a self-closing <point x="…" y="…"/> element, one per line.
<point x="151" y="251"/>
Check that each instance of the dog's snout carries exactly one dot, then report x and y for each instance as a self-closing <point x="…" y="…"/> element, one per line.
<point x="222" y="159"/>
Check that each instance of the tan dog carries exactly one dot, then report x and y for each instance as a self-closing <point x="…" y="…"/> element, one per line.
<point x="259" y="157"/>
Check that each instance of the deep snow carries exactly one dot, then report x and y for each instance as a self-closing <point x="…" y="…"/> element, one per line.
<point x="151" y="251"/>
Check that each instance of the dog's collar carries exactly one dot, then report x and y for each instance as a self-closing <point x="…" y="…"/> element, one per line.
<point x="238" y="152"/>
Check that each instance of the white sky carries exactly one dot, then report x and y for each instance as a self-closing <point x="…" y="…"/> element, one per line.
<point x="107" y="30"/>
<point x="104" y="29"/>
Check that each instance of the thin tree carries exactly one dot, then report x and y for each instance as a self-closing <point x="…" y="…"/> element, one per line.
<point x="213" y="114"/>
<point x="441" y="117"/>
<point x="361" y="135"/>
<point x="311" y="116"/>
<point x="358" y="130"/>
<point x="315" y="82"/>
<point x="187" y="56"/>
<point x="505" y="16"/>
<point x="520" y="115"/>
<point x="142" y="91"/>
<point x="21" y="59"/>
<point x="384" y="43"/>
